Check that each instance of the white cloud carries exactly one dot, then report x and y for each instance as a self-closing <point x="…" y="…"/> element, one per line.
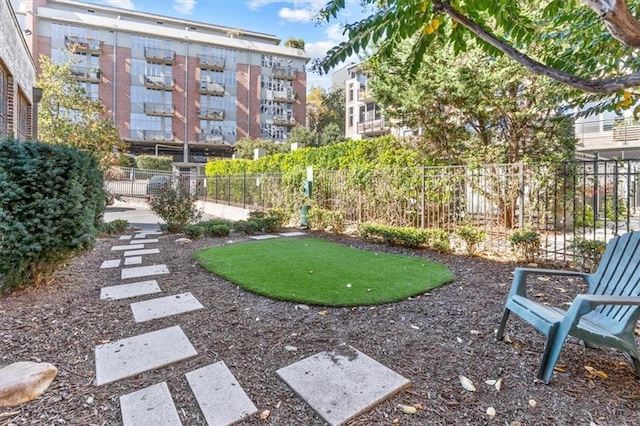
<point x="122" y="4"/>
<point x="257" y="4"/>
<point x="296" y="15"/>
<point x="184" y="7"/>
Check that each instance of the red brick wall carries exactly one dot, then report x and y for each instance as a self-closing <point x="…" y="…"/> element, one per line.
<point x="179" y="98"/>
<point x="254" y="107"/>
<point x="300" y="106"/>
<point x="123" y="91"/>
<point x="193" y="101"/>
<point x="242" y="90"/>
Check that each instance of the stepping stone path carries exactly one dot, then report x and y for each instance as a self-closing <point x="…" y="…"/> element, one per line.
<point x="338" y="384"/>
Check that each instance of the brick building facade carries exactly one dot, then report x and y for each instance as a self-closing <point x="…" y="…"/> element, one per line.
<point x="174" y="87"/>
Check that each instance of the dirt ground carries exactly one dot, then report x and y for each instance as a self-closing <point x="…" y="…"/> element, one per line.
<point x="430" y="339"/>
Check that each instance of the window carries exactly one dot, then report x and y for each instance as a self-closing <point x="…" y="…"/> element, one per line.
<point x="350" y="117"/>
<point x="350" y="92"/>
<point x="230" y="55"/>
<point x="4" y="100"/>
<point x="24" y="115"/>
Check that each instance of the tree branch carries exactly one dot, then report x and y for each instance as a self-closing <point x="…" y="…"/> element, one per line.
<point x="607" y="86"/>
<point x="618" y="18"/>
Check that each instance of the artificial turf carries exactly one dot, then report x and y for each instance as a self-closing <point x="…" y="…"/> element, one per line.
<point x="319" y="272"/>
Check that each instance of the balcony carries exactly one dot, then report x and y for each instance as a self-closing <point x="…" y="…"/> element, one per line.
<point x="83" y="44"/>
<point x="157" y="135"/>
<point x="210" y="88"/>
<point x="283" y="120"/>
<point x="86" y="74"/>
<point x="372" y="127"/>
<point x="608" y="134"/>
<point x="365" y="95"/>
<point x="211" y="114"/>
<point x="158" y="109"/>
<point x="159" y="82"/>
<point x="287" y="73"/>
<point x="153" y="54"/>
<point x="211" y="138"/>
<point x="284" y="96"/>
<point x="210" y="62"/>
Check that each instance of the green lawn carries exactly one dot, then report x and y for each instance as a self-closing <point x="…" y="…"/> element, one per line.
<point x="318" y="272"/>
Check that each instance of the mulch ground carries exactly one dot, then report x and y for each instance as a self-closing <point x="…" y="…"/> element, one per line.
<point x="431" y="339"/>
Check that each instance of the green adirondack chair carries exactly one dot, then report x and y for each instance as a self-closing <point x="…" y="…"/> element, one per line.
<point x="604" y="316"/>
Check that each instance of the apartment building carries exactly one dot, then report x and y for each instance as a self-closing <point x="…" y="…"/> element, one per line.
<point x="18" y="99"/>
<point x="610" y="134"/>
<point x="364" y="118"/>
<point x="174" y="87"/>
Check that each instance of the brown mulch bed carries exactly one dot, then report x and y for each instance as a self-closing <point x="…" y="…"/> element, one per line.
<point x="430" y="339"/>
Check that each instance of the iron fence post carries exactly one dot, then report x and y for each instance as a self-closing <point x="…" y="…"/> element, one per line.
<point x="521" y="194"/>
<point x="423" y="196"/>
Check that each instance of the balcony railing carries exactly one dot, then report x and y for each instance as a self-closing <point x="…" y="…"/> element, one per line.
<point x="211" y="114"/>
<point x="210" y="88"/>
<point x="211" y="62"/>
<point x="159" y="55"/>
<point x="608" y="133"/>
<point x="83" y="44"/>
<point x="365" y="95"/>
<point x="151" y="108"/>
<point x="288" y="73"/>
<point x="211" y="138"/>
<point x="377" y="125"/>
<point x="159" y="82"/>
<point x="157" y="135"/>
<point x="283" y="120"/>
<point x="86" y="74"/>
<point x="284" y="96"/>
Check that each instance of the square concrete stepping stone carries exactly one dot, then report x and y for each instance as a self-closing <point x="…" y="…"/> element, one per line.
<point x="125" y="237"/>
<point x="144" y="241"/>
<point x="145" y="234"/>
<point x="149" y="406"/>
<point x="110" y="264"/>
<point x="264" y="237"/>
<point x="134" y="355"/>
<point x="127" y="247"/>
<point x="342" y="383"/>
<point x="221" y="399"/>
<point x="141" y="252"/>
<point x="164" y="307"/>
<point x="125" y="291"/>
<point x="143" y="271"/>
<point x="293" y="234"/>
<point x="132" y="260"/>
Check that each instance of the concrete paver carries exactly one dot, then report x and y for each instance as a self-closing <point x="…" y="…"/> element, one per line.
<point x="164" y="307"/>
<point x="263" y="237"/>
<point x="132" y="260"/>
<point x="128" y="247"/>
<point x="134" y="355"/>
<point x="342" y="383"/>
<point x="141" y="252"/>
<point x="292" y="234"/>
<point x="144" y="241"/>
<point x="221" y="399"/>
<point x="149" y="406"/>
<point x="143" y="271"/>
<point x="107" y="264"/>
<point x="125" y="291"/>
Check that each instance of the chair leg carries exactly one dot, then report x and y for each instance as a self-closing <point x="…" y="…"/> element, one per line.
<point x="552" y="350"/>
<point x="503" y="323"/>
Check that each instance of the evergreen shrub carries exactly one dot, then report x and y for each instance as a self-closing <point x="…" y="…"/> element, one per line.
<point x="115" y="227"/>
<point x="151" y="162"/>
<point x="525" y="245"/>
<point x="51" y="205"/>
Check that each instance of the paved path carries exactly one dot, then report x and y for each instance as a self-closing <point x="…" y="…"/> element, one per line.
<point x="338" y="384"/>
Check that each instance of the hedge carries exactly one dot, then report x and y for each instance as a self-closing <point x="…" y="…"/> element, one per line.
<point x="51" y="204"/>
<point x="151" y="162"/>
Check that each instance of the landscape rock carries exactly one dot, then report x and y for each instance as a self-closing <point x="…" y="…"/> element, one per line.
<point x="183" y="241"/>
<point x="24" y="381"/>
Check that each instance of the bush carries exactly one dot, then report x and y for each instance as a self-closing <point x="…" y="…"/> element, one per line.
<point x="525" y="245"/>
<point x="215" y="228"/>
<point x="588" y="252"/>
<point x="321" y="220"/>
<point x="436" y="239"/>
<point x="176" y="206"/>
<point x="51" y="204"/>
<point x="471" y="236"/>
<point x="270" y="222"/>
<point x="248" y="227"/>
<point x="193" y="231"/>
<point x="115" y="227"/>
<point x="151" y="162"/>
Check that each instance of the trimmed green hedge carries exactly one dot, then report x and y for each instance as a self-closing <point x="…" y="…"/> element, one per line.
<point x="51" y="204"/>
<point x="151" y="162"/>
<point x="436" y="239"/>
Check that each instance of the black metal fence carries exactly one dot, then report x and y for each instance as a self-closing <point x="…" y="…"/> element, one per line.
<point x="593" y="199"/>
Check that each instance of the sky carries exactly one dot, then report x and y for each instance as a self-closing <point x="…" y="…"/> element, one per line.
<point x="283" y="19"/>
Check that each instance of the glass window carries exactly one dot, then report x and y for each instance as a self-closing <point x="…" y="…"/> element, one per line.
<point x="350" y="117"/>
<point x="4" y="99"/>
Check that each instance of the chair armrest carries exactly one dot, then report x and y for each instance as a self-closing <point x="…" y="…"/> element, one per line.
<point x="520" y="278"/>
<point x="585" y="303"/>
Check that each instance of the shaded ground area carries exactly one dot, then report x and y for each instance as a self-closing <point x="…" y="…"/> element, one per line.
<point x="430" y="339"/>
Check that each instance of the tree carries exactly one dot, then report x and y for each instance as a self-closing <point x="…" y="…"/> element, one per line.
<point x="325" y="107"/>
<point x="295" y="43"/>
<point x="591" y="51"/>
<point x="67" y="115"/>
<point x="331" y="134"/>
<point x="302" y="135"/>
<point x="245" y="147"/>
<point x="473" y="107"/>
